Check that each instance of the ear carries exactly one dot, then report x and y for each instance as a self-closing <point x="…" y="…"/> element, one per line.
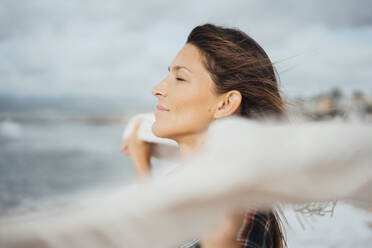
<point x="228" y="104"/>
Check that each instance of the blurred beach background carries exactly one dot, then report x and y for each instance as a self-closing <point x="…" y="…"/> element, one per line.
<point x="72" y="73"/>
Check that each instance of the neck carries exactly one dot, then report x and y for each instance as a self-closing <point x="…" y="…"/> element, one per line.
<point x="191" y="145"/>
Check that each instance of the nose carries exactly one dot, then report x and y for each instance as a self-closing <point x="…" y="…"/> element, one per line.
<point x="158" y="90"/>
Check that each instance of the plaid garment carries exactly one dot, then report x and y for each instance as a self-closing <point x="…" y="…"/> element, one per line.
<point x="257" y="231"/>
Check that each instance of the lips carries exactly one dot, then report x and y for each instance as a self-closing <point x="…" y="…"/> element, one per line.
<point x="161" y="108"/>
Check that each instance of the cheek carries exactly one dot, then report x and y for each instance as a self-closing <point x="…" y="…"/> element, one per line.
<point x="192" y="115"/>
<point x="188" y="115"/>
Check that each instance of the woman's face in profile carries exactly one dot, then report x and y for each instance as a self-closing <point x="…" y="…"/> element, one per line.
<point x="188" y="95"/>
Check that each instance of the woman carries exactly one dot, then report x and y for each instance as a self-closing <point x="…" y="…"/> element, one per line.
<point x="218" y="73"/>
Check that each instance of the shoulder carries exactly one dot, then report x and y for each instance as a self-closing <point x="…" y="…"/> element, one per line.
<point x="258" y="229"/>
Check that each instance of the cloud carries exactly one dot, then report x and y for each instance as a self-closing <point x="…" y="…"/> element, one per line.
<point x="120" y="48"/>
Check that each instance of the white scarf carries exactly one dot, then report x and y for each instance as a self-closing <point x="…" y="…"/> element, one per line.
<point x="246" y="164"/>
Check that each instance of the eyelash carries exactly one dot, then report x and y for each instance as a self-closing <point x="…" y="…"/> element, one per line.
<point x="180" y="79"/>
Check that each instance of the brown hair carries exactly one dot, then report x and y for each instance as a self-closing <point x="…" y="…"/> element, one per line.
<point x="237" y="62"/>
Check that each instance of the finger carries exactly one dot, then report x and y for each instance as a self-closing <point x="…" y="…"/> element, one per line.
<point x="125" y="151"/>
<point x="123" y="148"/>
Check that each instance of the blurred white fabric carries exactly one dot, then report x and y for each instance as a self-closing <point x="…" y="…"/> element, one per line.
<point x="163" y="149"/>
<point x="245" y="164"/>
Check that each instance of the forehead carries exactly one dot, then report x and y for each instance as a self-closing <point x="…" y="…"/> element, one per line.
<point x="190" y="57"/>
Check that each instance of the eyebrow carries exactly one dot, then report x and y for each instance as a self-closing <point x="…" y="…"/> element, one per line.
<point x="178" y="67"/>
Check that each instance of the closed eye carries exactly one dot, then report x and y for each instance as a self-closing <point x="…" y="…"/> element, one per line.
<point x="180" y="79"/>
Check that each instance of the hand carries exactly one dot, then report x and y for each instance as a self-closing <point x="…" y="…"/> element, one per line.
<point x="138" y="150"/>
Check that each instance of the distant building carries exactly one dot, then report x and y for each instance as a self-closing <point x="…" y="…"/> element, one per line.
<point x="323" y="106"/>
<point x="358" y="106"/>
<point x="333" y="104"/>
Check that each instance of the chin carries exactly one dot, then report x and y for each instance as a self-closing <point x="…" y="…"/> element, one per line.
<point x="158" y="131"/>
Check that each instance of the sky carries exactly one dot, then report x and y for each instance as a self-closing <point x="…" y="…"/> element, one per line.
<point x="121" y="49"/>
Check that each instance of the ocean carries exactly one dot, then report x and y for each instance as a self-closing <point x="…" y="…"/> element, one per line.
<point x="43" y="160"/>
